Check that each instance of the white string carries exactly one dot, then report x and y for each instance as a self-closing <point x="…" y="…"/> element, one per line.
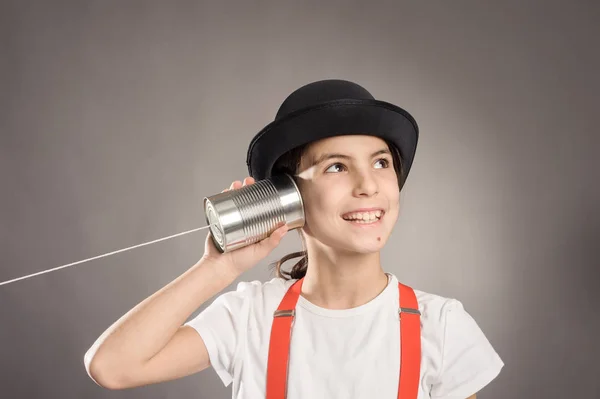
<point x="101" y="256"/>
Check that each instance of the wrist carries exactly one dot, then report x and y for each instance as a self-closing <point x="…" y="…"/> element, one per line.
<point x="221" y="271"/>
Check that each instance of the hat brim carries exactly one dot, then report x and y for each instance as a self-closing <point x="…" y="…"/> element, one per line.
<point x="334" y="118"/>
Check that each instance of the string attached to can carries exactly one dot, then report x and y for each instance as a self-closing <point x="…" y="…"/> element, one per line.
<point x="100" y="256"/>
<point x="236" y="218"/>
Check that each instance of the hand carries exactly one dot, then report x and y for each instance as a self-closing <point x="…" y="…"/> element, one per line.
<point x="246" y="257"/>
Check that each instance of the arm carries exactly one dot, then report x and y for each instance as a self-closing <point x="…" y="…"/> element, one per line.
<point x="149" y="344"/>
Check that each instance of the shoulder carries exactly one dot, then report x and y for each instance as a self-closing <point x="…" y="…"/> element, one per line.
<point x="435" y="310"/>
<point x="434" y="307"/>
<point x="446" y="317"/>
<point x="250" y="299"/>
<point x="438" y="314"/>
<point x="257" y="293"/>
<point x="434" y="315"/>
<point x="272" y="288"/>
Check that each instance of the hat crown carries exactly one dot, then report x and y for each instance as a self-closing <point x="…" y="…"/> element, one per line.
<point x="322" y="91"/>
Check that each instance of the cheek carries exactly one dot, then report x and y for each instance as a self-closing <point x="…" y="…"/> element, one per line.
<point x="320" y="210"/>
<point x="395" y="199"/>
<point x="394" y="207"/>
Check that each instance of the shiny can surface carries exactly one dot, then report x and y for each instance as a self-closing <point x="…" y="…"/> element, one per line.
<point x="241" y="217"/>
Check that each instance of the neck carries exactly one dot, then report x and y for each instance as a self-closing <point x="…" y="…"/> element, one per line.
<point x="343" y="280"/>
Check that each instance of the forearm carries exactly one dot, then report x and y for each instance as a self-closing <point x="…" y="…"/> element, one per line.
<point x="147" y="328"/>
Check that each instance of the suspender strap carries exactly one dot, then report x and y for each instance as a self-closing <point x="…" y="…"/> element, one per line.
<point x="279" y="346"/>
<point x="410" y="343"/>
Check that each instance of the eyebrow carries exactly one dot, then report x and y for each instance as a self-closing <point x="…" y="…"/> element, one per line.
<point x="326" y="156"/>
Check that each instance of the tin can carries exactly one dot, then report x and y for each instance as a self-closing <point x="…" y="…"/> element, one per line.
<point x="241" y="217"/>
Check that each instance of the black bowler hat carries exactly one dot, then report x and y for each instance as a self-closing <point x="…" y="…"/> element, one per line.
<point x="329" y="108"/>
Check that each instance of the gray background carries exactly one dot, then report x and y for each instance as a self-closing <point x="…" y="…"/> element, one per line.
<point x="117" y="118"/>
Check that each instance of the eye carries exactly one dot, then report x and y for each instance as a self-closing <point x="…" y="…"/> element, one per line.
<point x="385" y="162"/>
<point x="335" y="164"/>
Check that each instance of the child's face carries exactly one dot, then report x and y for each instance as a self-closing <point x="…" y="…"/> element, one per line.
<point x="336" y="186"/>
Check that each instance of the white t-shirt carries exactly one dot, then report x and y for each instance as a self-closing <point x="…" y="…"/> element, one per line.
<point x="350" y="353"/>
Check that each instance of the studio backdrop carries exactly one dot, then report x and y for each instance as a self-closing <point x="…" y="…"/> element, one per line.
<point x="117" y="118"/>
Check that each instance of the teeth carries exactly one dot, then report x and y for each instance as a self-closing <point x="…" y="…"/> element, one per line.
<point x="364" y="216"/>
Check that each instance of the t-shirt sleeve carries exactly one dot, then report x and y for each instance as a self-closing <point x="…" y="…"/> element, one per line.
<point x="469" y="362"/>
<point x="221" y="325"/>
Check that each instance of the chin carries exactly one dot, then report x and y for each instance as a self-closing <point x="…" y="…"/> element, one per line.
<point x="365" y="245"/>
<point x="367" y="249"/>
<point x="349" y="241"/>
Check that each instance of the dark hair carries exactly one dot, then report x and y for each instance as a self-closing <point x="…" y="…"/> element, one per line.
<point x="290" y="163"/>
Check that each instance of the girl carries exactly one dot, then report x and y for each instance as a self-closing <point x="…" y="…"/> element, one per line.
<point x="336" y="325"/>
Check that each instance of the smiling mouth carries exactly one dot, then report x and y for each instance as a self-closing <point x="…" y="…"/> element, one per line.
<point x="365" y="222"/>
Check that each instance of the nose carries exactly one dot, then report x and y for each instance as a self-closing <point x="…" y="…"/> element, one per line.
<point x="365" y="184"/>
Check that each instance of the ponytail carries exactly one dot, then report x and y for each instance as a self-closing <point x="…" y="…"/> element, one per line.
<point x="298" y="270"/>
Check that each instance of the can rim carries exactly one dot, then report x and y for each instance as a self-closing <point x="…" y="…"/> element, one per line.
<point x="219" y="236"/>
<point x="299" y="194"/>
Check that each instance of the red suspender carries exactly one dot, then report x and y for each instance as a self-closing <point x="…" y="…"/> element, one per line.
<point x="279" y="346"/>
<point x="410" y="343"/>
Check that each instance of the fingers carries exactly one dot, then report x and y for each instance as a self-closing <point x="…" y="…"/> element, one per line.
<point x="235" y="185"/>
<point x="239" y="184"/>
<point x="282" y="230"/>
<point x="278" y="233"/>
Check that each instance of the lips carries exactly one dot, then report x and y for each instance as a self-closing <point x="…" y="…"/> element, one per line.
<point x="362" y="223"/>
<point x="364" y="210"/>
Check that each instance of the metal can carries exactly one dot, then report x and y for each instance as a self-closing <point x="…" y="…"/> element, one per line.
<point x="241" y="217"/>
